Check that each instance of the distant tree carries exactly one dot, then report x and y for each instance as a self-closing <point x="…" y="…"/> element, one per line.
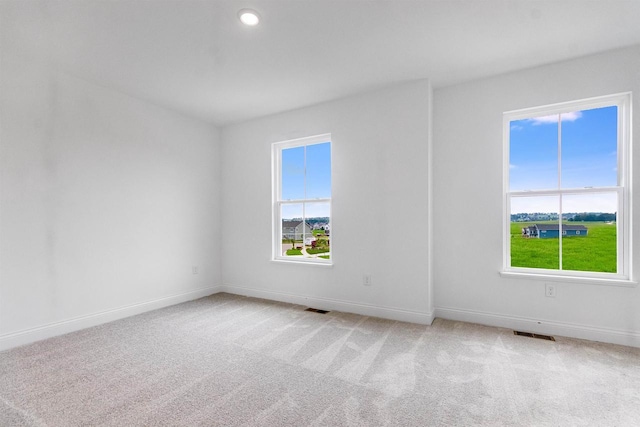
<point x="594" y="217"/>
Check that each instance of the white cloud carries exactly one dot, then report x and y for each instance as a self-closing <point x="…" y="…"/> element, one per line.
<point x="516" y="127"/>
<point x="566" y="117"/>
<point x="512" y="166"/>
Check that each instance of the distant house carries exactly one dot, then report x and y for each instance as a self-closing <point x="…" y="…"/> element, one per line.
<point x="295" y="229"/>
<point x="547" y="231"/>
<point x="322" y="226"/>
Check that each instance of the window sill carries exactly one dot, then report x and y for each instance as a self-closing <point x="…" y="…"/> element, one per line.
<point x="569" y="279"/>
<point x="301" y="262"/>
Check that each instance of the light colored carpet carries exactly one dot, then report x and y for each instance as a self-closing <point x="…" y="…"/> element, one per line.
<point x="229" y="360"/>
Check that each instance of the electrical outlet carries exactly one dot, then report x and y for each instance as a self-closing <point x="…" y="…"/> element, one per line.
<point x="366" y="280"/>
<point x="550" y="290"/>
<point x="194" y="269"/>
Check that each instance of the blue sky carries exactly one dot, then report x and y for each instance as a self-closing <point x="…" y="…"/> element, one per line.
<point x="589" y="159"/>
<point x="310" y="180"/>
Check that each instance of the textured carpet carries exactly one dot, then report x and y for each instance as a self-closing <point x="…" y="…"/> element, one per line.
<point x="229" y="360"/>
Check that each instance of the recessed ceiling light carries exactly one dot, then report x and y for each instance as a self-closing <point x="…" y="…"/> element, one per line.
<point x="249" y="17"/>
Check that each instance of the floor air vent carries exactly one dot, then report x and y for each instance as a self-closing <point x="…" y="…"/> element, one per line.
<point x="316" y="310"/>
<point x="530" y="335"/>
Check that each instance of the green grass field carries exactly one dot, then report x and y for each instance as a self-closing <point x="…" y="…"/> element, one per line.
<point x="594" y="252"/>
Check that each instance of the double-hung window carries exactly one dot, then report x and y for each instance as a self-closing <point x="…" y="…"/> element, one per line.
<point x="301" y="172"/>
<point x="567" y="190"/>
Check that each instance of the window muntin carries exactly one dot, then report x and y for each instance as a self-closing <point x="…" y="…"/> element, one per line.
<point x="567" y="196"/>
<point x="302" y="199"/>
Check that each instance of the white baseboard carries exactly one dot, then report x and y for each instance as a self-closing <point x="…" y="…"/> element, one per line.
<point x="612" y="336"/>
<point x="334" y="304"/>
<point x="27" y="336"/>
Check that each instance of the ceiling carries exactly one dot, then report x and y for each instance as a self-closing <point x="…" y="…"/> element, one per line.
<point x="196" y="57"/>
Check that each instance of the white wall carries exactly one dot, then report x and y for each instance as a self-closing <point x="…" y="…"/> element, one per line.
<point x="467" y="151"/>
<point x="106" y="202"/>
<point x="380" y="205"/>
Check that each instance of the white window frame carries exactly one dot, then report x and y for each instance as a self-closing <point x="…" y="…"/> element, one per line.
<point x="276" y="190"/>
<point x="623" y="188"/>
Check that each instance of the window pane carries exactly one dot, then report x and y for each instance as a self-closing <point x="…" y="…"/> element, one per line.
<point x="318" y="169"/>
<point x="292" y="229"/>
<point x="589" y="241"/>
<point x="317" y="245"/>
<point x="534" y="244"/>
<point x="533" y="154"/>
<point x="590" y="148"/>
<point x="293" y="173"/>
